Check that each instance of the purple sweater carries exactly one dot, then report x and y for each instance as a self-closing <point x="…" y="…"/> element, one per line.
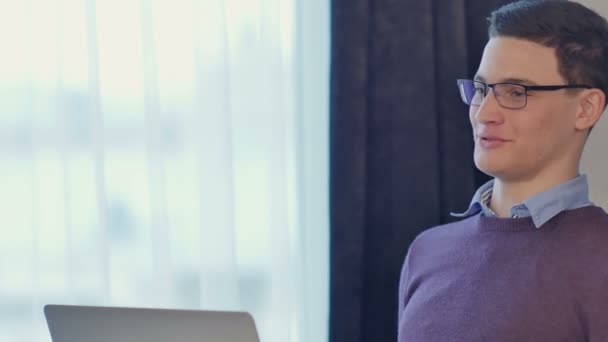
<point x="502" y="279"/>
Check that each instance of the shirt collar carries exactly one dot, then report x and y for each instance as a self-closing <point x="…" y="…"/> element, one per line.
<point x="476" y="204"/>
<point x="544" y="206"/>
<point x="541" y="207"/>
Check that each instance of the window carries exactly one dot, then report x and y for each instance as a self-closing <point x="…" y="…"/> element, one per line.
<point x="162" y="153"/>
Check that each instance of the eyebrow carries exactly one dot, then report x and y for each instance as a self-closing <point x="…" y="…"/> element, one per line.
<point x="506" y="80"/>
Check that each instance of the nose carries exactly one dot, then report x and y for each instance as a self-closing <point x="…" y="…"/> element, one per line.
<point x="489" y="111"/>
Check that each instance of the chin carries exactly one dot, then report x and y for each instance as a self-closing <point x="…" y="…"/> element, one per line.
<point x="488" y="171"/>
<point x="490" y="165"/>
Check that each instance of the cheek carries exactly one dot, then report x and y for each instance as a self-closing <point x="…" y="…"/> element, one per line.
<point x="541" y="129"/>
<point x="541" y="135"/>
<point x="472" y="112"/>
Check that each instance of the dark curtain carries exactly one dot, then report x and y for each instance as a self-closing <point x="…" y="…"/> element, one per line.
<point x="401" y="144"/>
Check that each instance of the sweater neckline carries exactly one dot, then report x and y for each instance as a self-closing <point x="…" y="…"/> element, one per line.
<point x="527" y="224"/>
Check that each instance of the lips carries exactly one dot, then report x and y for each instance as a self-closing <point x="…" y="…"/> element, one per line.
<point x="490" y="141"/>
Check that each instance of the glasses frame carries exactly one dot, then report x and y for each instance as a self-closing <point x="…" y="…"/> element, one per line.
<point x="487" y="86"/>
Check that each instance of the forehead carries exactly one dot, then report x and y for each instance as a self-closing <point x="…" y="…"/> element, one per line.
<point x="512" y="58"/>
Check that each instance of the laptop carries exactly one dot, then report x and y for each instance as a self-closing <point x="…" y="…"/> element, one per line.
<point x="69" y="323"/>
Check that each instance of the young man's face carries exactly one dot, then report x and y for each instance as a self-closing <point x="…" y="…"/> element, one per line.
<point x="521" y="144"/>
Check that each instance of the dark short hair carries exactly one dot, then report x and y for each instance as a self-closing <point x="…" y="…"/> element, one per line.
<point x="579" y="35"/>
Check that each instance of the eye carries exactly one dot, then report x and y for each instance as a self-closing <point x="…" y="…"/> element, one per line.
<point x="479" y="90"/>
<point x="513" y="91"/>
<point x="517" y="93"/>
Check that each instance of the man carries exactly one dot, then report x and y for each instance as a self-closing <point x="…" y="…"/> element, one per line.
<point x="529" y="261"/>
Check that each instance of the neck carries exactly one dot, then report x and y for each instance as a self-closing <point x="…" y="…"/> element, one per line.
<point x="506" y="193"/>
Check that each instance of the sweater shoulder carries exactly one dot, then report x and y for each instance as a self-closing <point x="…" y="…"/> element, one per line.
<point x="590" y="225"/>
<point x="586" y="233"/>
<point x="449" y="230"/>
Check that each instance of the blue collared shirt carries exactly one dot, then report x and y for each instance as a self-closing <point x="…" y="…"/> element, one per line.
<point x="541" y="207"/>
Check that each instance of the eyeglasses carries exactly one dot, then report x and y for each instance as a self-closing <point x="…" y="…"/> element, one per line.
<point x="508" y="95"/>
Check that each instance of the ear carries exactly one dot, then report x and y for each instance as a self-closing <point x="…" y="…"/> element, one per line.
<point x="591" y="108"/>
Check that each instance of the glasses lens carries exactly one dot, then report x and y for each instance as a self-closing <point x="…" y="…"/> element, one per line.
<point x="510" y="95"/>
<point x="472" y="92"/>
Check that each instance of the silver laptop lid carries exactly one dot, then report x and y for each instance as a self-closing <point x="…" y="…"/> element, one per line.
<point x="113" y="324"/>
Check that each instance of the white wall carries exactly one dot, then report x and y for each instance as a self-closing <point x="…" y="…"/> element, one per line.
<point x="595" y="158"/>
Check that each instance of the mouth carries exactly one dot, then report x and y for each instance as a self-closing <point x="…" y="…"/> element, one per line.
<point x="491" y="142"/>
